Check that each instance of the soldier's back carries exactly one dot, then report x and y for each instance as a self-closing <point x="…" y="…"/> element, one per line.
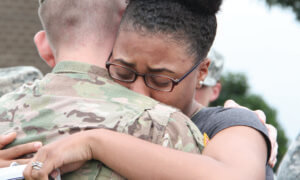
<point x="78" y="97"/>
<point x="13" y="77"/>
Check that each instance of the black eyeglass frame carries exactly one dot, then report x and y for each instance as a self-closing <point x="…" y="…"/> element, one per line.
<point x="174" y="81"/>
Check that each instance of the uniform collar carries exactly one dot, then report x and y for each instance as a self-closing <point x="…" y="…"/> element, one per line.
<point x="78" y="67"/>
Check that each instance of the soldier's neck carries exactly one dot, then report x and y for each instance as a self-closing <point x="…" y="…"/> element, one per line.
<point x="89" y="55"/>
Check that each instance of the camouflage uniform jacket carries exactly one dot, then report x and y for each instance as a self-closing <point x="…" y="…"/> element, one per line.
<point x="289" y="168"/>
<point x="13" y="77"/>
<point x="77" y="96"/>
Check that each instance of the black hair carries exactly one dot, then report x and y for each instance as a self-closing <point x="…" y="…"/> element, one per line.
<point x="190" y="21"/>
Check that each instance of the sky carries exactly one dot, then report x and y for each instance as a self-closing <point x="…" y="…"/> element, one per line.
<point x="264" y="43"/>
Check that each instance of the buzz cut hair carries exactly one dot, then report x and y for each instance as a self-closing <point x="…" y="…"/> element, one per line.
<point x="71" y="22"/>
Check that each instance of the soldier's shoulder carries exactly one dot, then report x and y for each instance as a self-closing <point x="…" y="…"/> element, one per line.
<point x="13" y="77"/>
<point x="162" y="113"/>
<point x="289" y="168"/>
<point x="188" y="129"/>
<point x="179" y="126"/>
<point x="167" y="113"/>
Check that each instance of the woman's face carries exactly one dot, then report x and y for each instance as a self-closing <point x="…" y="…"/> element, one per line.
<point x="156" y="54"/>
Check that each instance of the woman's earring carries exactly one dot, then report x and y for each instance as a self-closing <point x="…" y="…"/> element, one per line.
<point x="199" y="86"/>
<point x="201" y="83"/>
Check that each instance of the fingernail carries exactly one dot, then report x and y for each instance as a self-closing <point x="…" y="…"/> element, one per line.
<point x="9" y="134"/>
<point x="230" y="103"/>
<point x="37" y="145"/>
<point x="261" y="115"/>
<point x="233" y="102"/>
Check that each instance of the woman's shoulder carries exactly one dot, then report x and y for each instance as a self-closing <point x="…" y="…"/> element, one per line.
<point x="212" y="120"/>
<point x="215" y="119"/>
<point x="221" y="113"/>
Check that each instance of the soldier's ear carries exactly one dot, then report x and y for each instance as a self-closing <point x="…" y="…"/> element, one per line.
<point x="202" y="71"/>
<point x="216" y="90"/>
<point x="44" y="48"/>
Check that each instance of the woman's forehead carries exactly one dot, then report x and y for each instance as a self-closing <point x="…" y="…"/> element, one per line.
<point x="152" y="51"/>
<point x="154" y="47"/>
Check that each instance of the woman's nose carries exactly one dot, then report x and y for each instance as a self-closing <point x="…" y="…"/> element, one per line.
<point x="140" y="87"/>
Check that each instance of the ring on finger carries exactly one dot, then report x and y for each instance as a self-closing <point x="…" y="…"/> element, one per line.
<point x="37" y="165"/>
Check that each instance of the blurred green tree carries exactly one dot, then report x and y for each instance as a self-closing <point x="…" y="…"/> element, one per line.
<point x="235" y="86"/>
<point x="293" y="4"/>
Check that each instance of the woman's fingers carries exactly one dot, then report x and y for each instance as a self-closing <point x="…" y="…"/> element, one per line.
<point x="7" y="163"/>
<point x="273" y="138"/>
<point x="47" y="158"/>
<point x="20" y="150"/>
<point x="6" y="139"/>
<point x="10" y="155"/>
<point x="273" y="158"/>
<point x="27" y="171"/>
<point x="64" y="153"/>
<point x="261" y="116"/>
<point x="232" y="104"/>
<point x="34" y="171"/>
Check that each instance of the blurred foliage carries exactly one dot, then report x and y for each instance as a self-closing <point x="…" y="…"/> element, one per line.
<point x="235" y="86"/>
<point x="293" y="4"/>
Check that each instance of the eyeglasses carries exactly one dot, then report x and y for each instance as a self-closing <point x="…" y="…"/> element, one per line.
<point x="157" y="82"/>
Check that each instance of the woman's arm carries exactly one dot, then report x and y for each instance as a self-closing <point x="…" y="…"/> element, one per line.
<point x="234" y="153"/>
<point x="272" y="131"/>
<point x="10" y="155"/>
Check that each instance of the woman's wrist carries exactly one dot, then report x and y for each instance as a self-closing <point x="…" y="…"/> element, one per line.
<point x="94" y="143"/>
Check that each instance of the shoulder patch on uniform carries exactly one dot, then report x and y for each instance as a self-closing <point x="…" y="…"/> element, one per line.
<point x="161" y="113"/>
<point x="205" y="139"/>
<point x="199" y="138"/>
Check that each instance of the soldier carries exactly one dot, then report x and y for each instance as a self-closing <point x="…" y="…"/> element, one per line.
<point x="159" y="45"/>
<point x="289" y="168"/>
<point x="79" y="96"/>
<point x="14" y="77"/>
<point x="37" y="164"/>
<point x="209" y="89"/>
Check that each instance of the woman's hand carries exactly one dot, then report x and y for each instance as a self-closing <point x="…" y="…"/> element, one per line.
<point x="10" y="155"/>
<point x="67" y="154"/>
<point x="272" y="131"/>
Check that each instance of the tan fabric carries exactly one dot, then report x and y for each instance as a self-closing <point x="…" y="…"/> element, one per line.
<point x="78" y="97"/>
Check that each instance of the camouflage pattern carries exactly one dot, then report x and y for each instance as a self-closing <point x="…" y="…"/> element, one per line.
<point x="76" y="97"/>
<point x="289" y="168"/>
<point x="215" y="68"/>
<point x="14" y="77"/>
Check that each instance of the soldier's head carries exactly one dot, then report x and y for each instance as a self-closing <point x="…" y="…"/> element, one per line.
<point x="167" y="38"/>
<point x="74" y="25"/>
<point x="209" y="89"/>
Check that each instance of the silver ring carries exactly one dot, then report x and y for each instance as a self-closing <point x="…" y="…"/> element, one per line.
<point x="37" y="165"/>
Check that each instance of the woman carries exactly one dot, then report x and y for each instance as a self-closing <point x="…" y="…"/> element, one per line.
<point x="160" y="52"/>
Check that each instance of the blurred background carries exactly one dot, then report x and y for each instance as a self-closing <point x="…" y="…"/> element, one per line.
<point x="18" y="24"/>
<point x="260" y="42"/>
<point x="258" y="39"/>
